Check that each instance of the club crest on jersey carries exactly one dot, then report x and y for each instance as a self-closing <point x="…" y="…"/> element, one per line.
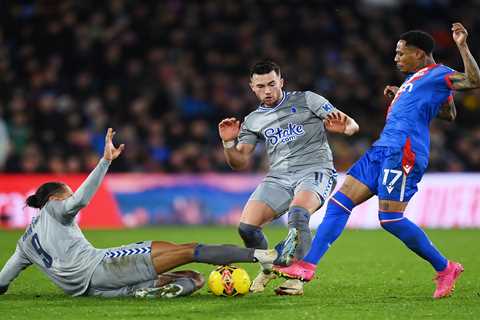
<point x="280" y="135"/>
<point x="327" y="107"/>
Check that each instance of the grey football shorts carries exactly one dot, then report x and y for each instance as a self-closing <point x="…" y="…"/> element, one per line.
<point x="123" y="270"/>
<point x="278" y="190"/>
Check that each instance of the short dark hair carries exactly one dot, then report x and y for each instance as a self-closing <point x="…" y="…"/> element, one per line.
<point x="40" y="198"/>
<point x="264" y="67"/>
<point x="419" y="39"/>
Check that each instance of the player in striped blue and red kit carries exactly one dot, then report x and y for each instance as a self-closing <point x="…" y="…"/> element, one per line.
<point x="396" y="162"/>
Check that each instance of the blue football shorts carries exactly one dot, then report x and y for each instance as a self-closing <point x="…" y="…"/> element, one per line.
<point x="390" y="173"/>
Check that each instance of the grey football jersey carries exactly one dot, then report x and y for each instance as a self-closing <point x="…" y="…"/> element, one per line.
<point x="55" y="243"/>
<point x="293" y="132"/>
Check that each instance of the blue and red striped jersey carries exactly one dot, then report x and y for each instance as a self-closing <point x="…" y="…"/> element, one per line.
<point x="416" y="103"/>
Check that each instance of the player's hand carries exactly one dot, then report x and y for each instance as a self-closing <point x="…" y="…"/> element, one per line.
<point x="229" y="129"/>
<point x="336" y="122"/>
<point x="459" y="34"/>
<point x="111" y="153"/>
<point x="390" y="91"/>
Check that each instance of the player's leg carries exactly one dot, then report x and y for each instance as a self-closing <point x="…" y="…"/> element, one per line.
<point x="269" y="201"/>
<point x="123" y="270"/>
<point x="392" y="219"/>
<point x="304" y="204"/>
<point x="166" y="255"/>
<point x="338" y="211"/>
<point x="138" y="266"/>
<point x="396" y="188"/>
<point x="254" y="216"/>
<point x="168" y="285"/>
<point x="357" y="188"/>
<point x="173" y="284"/>
<point x="310" y="194"/>
<point x="339" y="208"/>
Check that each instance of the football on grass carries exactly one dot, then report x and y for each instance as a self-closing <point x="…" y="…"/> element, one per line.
<point x="229" y="281"/>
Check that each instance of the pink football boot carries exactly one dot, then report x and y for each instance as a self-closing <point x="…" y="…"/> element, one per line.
<point x="298" y="270"/>
<point x="446" y="279"/>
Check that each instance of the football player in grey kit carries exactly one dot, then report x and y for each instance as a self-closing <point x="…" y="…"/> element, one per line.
<point x="55" y="244"/>
<point x="301" y="174"/>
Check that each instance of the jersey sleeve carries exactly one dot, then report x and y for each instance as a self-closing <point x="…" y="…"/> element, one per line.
<point x="17" y="262"/>
<point x="320" y="106"/>
<point x="66" y="210"/>
<point x="442" y="80"/>
<point x="247" y="136"/>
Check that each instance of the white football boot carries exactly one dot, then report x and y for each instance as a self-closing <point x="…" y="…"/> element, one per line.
<point x="291" y="287"/>
<point x="261" y="280"/>
<point x="170" y="290"/>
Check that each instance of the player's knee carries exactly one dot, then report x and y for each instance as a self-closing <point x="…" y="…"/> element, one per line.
<point x="252" y="236"/>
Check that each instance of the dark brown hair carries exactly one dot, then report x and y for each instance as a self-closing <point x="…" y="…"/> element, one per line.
<point x="264" y="67"/>
<point x="40" y="198"/>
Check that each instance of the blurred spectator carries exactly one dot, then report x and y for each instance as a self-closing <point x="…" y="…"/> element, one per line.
<point x="163" y="73"/>
<point x="4" y="144"/>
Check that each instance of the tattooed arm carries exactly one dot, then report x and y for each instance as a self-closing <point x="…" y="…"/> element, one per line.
<point x="471" y="78"/>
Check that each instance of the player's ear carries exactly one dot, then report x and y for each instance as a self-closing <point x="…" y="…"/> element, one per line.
<point x="251" y="85"/>
<point x="420" y="54"/>
<point x="281" y="83"/>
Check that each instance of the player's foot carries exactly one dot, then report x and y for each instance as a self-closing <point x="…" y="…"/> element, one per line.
<point x="446" y="279"/>
<point x="261" y="281"/>
<point x="286" y="249"/>
<point x="301" y="270"/>
<point x="171" y="290"/>
<point x="291" y="287"/>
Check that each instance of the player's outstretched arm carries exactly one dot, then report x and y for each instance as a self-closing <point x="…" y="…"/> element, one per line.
<point x="448" y="111"/>
<point x="339" y="122"/>
<point x="12" y="269"/>
<point x="471" y="78"/>
<point x="237" y="155"/>
<point x="87" y="190"/>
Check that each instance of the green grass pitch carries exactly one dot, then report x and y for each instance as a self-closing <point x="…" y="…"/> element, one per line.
<point x="366" y="275"/>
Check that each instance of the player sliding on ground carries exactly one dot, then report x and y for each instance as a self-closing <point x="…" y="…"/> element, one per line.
<point x="301" y="176"/>
<point x="56" y="245"/>
<point x="396" y="162"/>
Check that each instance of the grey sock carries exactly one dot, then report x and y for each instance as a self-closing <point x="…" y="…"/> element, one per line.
<point x="298" y="218"/>
<point x="223" y="254"/>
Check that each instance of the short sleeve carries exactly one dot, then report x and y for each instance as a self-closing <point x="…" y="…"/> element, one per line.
<point x="443" y="80"/>
<point x="320" y="106"/>
<point x="247" y="136"/>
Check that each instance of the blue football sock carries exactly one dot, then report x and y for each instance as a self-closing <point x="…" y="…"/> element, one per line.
<point x="338" y="211"/>
<point x="413" y="237"/>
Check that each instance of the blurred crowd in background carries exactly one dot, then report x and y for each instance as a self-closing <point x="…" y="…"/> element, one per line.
<point x="164" y="73"/>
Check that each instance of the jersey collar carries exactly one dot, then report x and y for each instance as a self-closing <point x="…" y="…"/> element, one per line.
<point x="425" y="68"/>
<point x="264" y="108"/>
